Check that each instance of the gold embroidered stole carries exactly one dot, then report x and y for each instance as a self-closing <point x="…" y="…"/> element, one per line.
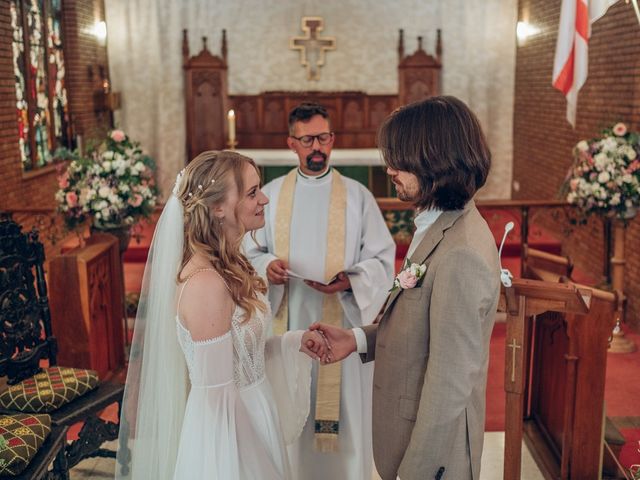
<point x="329" y="376"/>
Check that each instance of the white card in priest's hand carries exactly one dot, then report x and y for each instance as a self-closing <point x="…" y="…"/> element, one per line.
<point x="350" y="271"/>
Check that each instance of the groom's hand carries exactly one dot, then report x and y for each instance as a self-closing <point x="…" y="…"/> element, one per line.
<point x="342" y="341"/>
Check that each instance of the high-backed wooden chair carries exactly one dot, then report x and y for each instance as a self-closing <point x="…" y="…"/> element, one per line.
<point x="67" y="394"/>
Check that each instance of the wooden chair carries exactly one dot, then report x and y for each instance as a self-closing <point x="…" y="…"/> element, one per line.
<point x="27" y="340"/>
<point x="51" y="451"/>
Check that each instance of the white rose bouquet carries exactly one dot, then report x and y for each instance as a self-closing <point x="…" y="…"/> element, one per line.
<point x="605" y="176"/>
<point x="114" y="187"/>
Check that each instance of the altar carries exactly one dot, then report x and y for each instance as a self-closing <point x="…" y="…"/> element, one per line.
<point x="362" y="164"/>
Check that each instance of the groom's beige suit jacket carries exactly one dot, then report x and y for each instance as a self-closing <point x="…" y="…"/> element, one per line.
<point x="431" y="352"/>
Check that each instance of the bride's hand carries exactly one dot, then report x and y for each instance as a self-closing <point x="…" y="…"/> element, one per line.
<point x="315" y="345"/>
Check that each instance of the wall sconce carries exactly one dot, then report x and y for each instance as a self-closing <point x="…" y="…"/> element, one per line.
<point x="524" y="30"/>
<point x="100" y="32"/>
<point x="104" y="99"/>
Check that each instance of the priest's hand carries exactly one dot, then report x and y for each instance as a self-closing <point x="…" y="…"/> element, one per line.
<point x="277" y="272"/>
<point x="342" y="341"/>
<point x="340" y="284"/>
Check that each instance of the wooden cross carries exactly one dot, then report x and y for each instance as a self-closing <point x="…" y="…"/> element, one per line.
<point x="312" y="47"/>
<point x="513" y="346"/>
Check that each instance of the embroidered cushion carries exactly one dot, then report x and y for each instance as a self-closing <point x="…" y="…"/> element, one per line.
<point x="49" y="390"/>
<point x="21" y="436"/>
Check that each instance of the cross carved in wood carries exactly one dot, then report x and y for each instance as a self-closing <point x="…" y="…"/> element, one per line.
<point x="312" y="47"/>
<point x="513" y="346"/>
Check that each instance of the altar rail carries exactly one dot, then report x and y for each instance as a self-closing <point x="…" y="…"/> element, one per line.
<point x="398" y="215"/>
<point x="523" y="213"/>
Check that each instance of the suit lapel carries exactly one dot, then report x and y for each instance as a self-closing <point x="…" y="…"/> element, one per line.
<point x="427" y="245"/>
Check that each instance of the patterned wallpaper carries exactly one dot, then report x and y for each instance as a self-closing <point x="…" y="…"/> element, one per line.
<point x="144" y="41"/>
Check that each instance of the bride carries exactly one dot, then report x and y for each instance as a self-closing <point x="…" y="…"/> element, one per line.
<point x="207" y="396"/>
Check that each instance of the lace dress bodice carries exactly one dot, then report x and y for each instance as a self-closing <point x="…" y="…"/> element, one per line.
<point x="247" y="341"/>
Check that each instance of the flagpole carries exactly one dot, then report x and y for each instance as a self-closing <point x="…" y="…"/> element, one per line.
<point x="637" y="10"/>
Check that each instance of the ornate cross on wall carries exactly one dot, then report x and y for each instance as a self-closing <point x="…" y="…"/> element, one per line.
<point x="312" y="47"/>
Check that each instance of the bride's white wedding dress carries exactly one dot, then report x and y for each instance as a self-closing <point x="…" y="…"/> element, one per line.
<point x="249" y="397"/>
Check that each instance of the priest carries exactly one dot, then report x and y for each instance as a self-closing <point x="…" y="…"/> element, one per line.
<point x="328" y="256"/>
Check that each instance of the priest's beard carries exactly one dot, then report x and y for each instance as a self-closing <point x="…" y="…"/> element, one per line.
<point x="315" y="166"/>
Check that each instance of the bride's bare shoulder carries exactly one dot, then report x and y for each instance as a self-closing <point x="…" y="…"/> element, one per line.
<point x="206" y="306"/>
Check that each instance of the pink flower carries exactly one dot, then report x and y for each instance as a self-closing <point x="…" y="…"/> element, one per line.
<point x="407" y="280"/>
<point x="71" y="198"/>
<point x="574" y="184"/>
<point x="118" y="136"/>
<point x="620" y="129"/>
<point x="63" y="180"/>
<point x="136" y="201"/>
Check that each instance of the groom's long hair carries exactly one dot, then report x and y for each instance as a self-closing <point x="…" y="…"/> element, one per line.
<point x="206" y="183"/>
<point x="440" y="141"/>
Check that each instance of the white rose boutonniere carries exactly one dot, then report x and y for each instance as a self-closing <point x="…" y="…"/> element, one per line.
<point x="409" y="276"/>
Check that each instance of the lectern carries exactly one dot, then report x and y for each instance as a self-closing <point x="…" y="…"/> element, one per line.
<point x="85" y="286"/>
<point x="555" y="366"/>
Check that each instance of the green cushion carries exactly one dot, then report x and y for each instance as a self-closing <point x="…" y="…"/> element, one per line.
<point x="49" y="390"/>
<point x="21" y="436"/>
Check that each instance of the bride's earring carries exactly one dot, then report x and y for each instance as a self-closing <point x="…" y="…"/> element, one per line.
<point x="221" y="221"/>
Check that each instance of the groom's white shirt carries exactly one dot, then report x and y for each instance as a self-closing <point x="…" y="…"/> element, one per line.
<point x="423" y="222"/>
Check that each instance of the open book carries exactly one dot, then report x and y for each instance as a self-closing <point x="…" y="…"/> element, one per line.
<point x="349" y="271"/>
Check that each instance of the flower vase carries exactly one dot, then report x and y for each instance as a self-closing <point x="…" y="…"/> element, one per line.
<point x="630" y="213"/>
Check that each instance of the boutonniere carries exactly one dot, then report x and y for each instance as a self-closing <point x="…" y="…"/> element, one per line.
<point x="409" y="276"/>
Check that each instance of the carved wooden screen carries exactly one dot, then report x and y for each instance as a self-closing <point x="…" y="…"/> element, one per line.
<point x="355" y="116"/>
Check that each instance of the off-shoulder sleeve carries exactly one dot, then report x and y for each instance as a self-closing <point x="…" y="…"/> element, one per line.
<point x="218" y="439"/>
<point x="289" y="372"/>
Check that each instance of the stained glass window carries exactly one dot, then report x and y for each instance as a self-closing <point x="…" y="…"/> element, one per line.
<point x="41" y="96"/>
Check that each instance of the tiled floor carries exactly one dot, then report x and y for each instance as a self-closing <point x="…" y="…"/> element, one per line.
<point x="97" y="468"/>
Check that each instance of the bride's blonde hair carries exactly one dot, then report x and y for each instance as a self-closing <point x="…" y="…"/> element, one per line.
<point x="206" y="183"/>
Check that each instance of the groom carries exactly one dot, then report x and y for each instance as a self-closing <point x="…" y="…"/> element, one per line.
<point x="431" y="345"/>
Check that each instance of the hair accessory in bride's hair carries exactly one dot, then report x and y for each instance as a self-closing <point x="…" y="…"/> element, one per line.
<point x="176" y="186"/>
<point x="199" y="190"/>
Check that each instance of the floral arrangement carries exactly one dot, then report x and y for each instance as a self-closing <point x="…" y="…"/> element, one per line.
<point x="114" y="186"/>
<point x="409" y="276"/>
<point x="605" y="176"/>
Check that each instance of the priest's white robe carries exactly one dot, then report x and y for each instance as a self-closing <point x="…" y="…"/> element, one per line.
<point x="370" y="250"/>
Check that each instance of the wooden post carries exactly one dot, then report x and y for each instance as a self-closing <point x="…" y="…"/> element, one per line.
<point x="619" y="343"/>
<point x="514" y="387"/>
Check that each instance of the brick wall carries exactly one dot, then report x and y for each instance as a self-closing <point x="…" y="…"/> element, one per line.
<point x="83" y="57"/>
<point x="543" y="139"/>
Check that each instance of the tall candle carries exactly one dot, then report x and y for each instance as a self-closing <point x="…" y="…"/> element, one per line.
<point x="231" y="116"/>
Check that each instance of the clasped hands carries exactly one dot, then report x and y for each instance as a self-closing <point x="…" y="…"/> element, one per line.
<point x="328" y="343"/>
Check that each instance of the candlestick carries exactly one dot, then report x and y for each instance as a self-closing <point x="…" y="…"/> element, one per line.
<point x="231" y="117"/>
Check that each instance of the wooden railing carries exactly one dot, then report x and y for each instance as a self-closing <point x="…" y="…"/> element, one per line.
<point x="522" y="212"/>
